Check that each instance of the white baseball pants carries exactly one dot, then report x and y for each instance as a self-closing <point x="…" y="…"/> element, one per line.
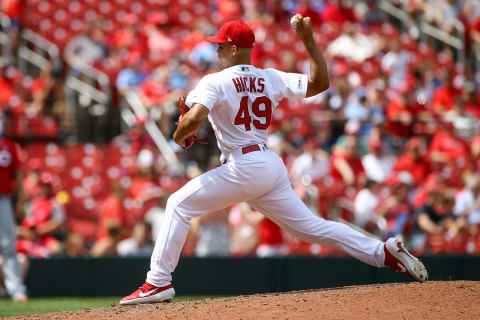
<point x="260" y="179"/>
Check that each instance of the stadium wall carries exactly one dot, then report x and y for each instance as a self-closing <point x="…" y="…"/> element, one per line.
<point x="227" y="276"/>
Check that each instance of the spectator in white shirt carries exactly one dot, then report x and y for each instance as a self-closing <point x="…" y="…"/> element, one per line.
<point x="312" y="164"/>
<point x="139" y="244"/>
<point x="365" y="204"/>
<point x="467" y="201"/>
<point x="377" y="166"/>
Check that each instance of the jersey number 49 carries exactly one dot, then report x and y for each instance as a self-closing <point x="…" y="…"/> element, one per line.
<point x="261" y="108"/>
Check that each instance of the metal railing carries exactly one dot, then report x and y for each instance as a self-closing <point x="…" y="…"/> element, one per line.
<point x="427" y="30"/>
<point x="162" y="144"/>
<point x="87" y="90"/>
<point x="37" y="51"/>
<point x="5" y="40"/>
<point x="394" y="11"/>
<point x="456" y="42"/>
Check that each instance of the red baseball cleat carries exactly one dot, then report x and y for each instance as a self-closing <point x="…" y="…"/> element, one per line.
<point x="399" y="259"/>
<point x="150" y="294"/>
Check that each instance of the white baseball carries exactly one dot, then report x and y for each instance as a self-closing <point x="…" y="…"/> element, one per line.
<point x="295" y="20"/>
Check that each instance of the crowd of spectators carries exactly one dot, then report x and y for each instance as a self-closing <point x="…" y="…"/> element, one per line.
<point x="393" y="147"/>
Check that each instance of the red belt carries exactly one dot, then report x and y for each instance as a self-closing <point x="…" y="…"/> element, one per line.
<point x="248" y="149"/>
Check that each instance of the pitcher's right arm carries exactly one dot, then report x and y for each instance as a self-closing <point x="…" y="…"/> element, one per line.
<point x="318" y="80"/>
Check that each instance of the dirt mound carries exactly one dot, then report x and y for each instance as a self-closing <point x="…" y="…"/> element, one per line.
<point x="431" y="300"/>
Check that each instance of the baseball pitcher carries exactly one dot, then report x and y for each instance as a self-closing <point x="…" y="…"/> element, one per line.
<point x="239" y="102"/>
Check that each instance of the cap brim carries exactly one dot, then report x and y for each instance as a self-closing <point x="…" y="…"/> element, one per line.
<point x="215" y="39"/>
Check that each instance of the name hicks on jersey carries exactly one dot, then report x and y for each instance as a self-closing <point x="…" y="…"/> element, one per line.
<point x="250" y="84"/>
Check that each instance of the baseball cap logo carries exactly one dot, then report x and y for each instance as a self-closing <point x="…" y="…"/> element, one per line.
<point x="229" y="40"/>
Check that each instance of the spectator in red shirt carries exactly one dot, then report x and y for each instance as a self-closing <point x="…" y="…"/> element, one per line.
<point x="447" y="147"/>
<point x="347" y="164"/>
<point x="42" y="228"/>
<point x="337" y="11"/>
<point x="305" y="9"/>
<point x="414" y="160"/>
<point x="443" y="96"/>
<point x="271" y="242"/>
<point x="7" y="90"/>
<point x="402" y="113"/>
<point x="111" y="222"/>
<point x="161" y="44"/>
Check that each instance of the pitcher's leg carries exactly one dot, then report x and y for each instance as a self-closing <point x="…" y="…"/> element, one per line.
<point x="207" y="193"/>
<point x="285" y="208"/>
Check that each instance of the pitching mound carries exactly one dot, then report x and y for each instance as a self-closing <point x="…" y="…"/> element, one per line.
<point x="431" y="300"/>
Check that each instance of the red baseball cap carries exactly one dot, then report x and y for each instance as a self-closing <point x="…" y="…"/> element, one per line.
<point x="235" y="33"/>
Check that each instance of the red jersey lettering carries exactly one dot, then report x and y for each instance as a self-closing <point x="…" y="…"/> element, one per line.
<point x="261" y="85"/>
<point x="238" y="84"/>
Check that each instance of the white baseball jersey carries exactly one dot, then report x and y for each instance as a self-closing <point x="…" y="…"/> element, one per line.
<point x="241" y="100"/>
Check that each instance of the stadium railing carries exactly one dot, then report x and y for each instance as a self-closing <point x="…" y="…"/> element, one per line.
<point x="5" y="40"/>
<point x="426" y="31"/>
<point x="35" y="50"/>
<point x="153" y="130"/>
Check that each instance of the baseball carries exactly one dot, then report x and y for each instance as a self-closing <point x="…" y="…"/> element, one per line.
<point x="295" y="20"/>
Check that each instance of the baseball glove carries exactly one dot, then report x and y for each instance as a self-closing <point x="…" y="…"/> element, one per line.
<point x="190" y="140"/>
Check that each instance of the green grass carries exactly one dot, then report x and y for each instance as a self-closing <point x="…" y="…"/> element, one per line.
<point x="10" y="308"/>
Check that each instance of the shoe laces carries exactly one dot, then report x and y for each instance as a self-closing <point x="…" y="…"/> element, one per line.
<point x="146" y="287"/>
